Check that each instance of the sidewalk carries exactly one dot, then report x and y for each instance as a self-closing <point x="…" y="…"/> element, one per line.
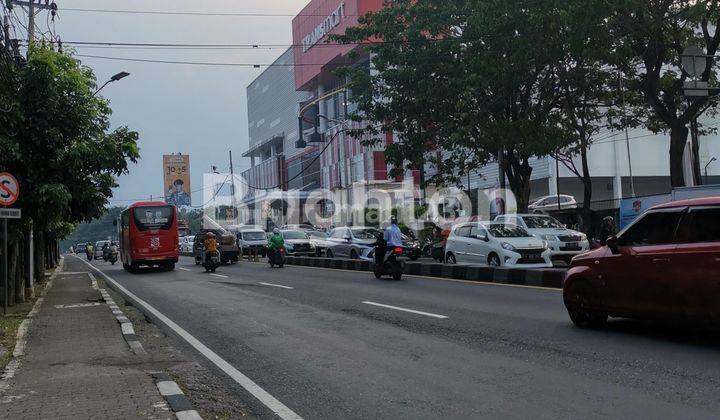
<point x="77" y="363"/>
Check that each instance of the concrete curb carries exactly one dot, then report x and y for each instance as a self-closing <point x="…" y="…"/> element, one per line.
<point x="539" y="277"/>
<point x="126" y="326"/>
<point x="20" y="338"/>
<point x="176" y="398"/>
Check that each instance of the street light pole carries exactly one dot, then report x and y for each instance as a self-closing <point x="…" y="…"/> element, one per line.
<point x="115" y="78"/>
<point x="706" y="167"/>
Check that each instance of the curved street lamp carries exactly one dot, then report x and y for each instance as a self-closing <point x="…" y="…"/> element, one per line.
<point x="115" y="78"/>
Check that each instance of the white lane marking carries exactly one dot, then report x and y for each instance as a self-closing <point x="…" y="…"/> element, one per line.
<point x="183" y="269"/>
<point x="276" y="285"/>
<point x="263" y="396"/>
<point x="397" y="308"/>
<point x="219" y="275"/>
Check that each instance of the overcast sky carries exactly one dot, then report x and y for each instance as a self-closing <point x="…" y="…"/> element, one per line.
<point x="196" y="110"/>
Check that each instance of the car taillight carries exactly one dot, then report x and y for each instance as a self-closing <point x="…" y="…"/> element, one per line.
<point x="398" y="250"/>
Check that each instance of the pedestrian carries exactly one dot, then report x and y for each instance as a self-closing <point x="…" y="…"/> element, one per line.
<point x="607" y="229"/>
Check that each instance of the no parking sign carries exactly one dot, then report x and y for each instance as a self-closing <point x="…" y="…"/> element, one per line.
<point x="9" y="189"/>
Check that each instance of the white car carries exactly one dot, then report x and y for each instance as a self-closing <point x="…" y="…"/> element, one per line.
<point x="496" y="244"/>
<point x="564" y="243"/>
<point x="550" y="203"/>
<point x="252" y="239"/>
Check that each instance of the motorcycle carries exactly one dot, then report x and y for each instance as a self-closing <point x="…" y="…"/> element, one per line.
<point x="212" y="262"/>
<point x="112" y="257"/>
<point x="277" y="257"/>
<point x="89" y="255"/>
<point x="391" y="265"/>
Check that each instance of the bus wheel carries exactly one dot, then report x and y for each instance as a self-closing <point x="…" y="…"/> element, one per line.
<point x="169" y="267"/>
<point x="126" y="267"/>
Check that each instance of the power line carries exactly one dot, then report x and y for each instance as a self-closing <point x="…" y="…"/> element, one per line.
<point x="205" y="63"/>
<point x="192" y="13"/>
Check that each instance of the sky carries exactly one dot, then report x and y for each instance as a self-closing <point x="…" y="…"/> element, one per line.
<point x="196" y="110"/>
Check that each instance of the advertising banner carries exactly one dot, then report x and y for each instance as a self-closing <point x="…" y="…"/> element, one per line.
<point x="631" y="208"/>
<point x="176" y="170"/>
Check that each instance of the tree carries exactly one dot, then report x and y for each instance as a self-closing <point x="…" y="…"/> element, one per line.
<point x="587" y="85"/>
<point x="57" y="141"/>
<point x="463" y="83"/>
<point x="652" y="35"/>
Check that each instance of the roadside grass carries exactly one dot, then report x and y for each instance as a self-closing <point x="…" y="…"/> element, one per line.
<point x="10" y="323"/>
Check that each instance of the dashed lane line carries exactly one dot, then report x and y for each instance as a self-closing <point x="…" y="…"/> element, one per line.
<point x="272" y="403"/>
<point x="412" y="311"/>
<point x="219" y="275"/>
<point x="275" y="285"/>
<point x="417" y="276"/>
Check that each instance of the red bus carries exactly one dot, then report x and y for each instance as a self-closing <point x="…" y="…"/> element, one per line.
<point x="148" y="233"/>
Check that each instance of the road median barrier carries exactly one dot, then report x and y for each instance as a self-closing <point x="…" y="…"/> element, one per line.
<point x="540" y="277"/>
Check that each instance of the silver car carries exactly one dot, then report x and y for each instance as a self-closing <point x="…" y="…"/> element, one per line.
<point x="352" y="242"/>
<point x="550" y="203"/>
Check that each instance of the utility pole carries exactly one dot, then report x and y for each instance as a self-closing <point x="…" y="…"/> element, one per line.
<point x="31" y="22"/>
<point x="232" y="188"/>
<point x="627" y="138"/>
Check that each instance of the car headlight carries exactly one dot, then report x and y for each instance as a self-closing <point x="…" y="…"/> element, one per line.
<point x="506" y="246"/>
<point x="312" y="246"/>
<point x="550" y="237"/>
<point x="583" y="237"/>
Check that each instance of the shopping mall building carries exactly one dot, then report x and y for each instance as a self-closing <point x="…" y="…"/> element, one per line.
<point x="334" y="161"/>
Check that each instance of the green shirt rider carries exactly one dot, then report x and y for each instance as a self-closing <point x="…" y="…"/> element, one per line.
<point x="276" y="241"/>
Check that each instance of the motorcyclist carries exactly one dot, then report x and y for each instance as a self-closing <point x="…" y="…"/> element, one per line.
<point x="89" y="250"/>
<point x="392" y="234"/>
<point x="106" y="251"/>
<point x="210" y="244"/>
<point x="275" y="242"/>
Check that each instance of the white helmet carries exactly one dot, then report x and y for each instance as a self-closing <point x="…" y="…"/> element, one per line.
<point x="276" y="231"/>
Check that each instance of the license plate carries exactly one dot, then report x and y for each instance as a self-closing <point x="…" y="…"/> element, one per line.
<point x="572" y="245"/>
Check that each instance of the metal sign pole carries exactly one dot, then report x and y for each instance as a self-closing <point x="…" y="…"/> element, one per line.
<point x="4" y="269"/>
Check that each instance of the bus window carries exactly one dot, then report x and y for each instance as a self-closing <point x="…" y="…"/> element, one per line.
<point x="151" y="218"/>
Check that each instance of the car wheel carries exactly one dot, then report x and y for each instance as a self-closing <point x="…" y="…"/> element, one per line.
<point x="450" y="258"/>
<point x="353" y="255"/>
<point x="329" y="253"/>
<point x="494" y="260"/>
<point x="576" y="296"/>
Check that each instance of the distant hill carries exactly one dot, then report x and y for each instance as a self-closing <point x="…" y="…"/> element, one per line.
<point x="97" y="230"/>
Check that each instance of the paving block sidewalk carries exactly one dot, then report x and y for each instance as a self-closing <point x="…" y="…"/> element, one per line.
<point x="76" y="362"/>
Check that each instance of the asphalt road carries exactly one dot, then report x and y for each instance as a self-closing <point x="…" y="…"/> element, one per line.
<point x="333" y="344"/>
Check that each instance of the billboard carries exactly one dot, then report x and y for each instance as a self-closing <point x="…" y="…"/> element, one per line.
<point x="176" y="170"/>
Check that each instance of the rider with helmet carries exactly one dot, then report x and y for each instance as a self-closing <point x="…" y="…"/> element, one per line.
<point x="275" y="242"/>
<point x="211" y="245"/>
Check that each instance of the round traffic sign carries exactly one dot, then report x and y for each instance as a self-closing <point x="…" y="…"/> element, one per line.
<point x="9" y="189"/>
<point x="693" y="61"/>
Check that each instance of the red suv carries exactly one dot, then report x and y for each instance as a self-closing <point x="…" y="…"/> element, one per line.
<point x="665" y="265"/>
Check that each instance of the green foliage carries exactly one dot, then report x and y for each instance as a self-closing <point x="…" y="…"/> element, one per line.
<point x="95" y="230"/>
<point x="464" y="82"/>
<point x="56" y="140"/>
<point x="650" y="37"/>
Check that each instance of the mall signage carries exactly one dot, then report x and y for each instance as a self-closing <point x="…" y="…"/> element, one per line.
<point x="327" y="25"/>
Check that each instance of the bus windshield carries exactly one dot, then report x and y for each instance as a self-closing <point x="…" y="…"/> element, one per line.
<point x="151" y="218"/>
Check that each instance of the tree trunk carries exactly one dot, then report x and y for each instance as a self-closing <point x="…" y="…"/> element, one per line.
<point x="518" y="172"/>
<point x="39" y="256"/>
<point x="15" y="272"/>
<point x="586" y="212"/>
<point x="678" y="138"/>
